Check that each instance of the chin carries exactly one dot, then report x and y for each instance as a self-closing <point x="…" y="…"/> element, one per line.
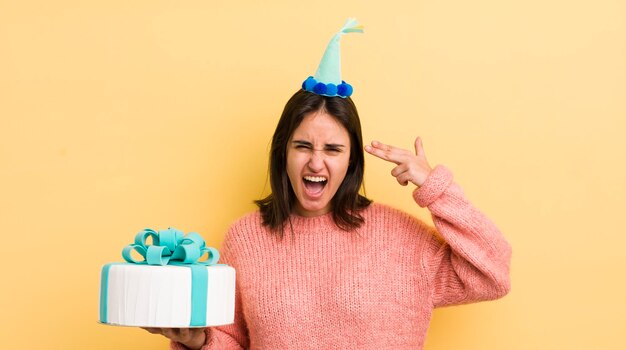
<point x="314" y="210"/>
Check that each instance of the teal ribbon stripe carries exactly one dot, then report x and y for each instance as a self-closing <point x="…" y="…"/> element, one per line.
<point x="169" y="247"/>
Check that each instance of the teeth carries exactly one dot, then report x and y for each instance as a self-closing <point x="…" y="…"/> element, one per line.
<point x="315" y="178"/>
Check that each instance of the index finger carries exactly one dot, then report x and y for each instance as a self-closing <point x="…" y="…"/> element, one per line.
<point x="152" y="330"/>
<point x="386" y="152"/>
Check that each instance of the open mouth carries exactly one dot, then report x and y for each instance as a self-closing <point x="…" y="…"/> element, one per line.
<point x="314" y="184"/>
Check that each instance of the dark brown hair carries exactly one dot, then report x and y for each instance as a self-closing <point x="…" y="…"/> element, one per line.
<point x="347" y="202"/>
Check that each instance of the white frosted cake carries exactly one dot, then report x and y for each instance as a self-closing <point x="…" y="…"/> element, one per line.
<point x="174" y="295"/>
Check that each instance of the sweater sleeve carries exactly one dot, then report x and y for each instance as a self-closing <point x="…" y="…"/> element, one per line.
<point x="472" y="262"/>
<point x="228" y="337"/>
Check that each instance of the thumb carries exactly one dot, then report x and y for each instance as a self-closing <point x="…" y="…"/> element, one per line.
<point x="419" y="147"/>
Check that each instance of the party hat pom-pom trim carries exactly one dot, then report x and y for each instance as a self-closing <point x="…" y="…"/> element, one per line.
<point x="342" y="90"/>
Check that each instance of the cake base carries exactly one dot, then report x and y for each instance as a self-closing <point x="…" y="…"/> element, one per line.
<point x="188" y="296"/>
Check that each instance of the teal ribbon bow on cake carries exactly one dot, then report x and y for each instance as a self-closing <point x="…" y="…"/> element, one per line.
<point x="171" y="247"/>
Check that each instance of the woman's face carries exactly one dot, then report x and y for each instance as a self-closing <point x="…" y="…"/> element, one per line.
<point x="318" y="155"/>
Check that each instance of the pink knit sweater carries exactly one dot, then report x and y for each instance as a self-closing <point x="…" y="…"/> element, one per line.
<point x="324" y="288"/>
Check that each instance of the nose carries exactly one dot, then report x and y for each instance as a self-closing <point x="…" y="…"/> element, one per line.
<point x="316" y="161"/>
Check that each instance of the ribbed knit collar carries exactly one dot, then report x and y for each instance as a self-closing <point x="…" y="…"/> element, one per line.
<point x="318" y="224"/>
<point x="312" y="224"/>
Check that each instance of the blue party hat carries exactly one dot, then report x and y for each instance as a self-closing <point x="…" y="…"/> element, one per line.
<point x="327" y="80"/>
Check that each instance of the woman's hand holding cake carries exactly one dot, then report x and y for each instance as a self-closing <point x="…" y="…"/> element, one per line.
<point x="192" y="338"/>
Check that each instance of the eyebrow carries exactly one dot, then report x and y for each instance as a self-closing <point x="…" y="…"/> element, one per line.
<point x="328" y="145"/>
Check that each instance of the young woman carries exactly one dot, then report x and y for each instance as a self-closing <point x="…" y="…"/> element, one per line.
<point x="320" y="266"/>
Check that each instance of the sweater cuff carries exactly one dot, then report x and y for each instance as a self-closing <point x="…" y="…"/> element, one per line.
<point x="436" y="183"/>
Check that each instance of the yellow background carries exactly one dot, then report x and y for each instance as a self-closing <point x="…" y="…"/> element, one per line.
<point x="120" y="115"/>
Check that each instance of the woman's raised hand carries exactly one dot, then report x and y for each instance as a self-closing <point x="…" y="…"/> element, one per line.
<point x="193" y="338"/>
<point x="410" y="167"/>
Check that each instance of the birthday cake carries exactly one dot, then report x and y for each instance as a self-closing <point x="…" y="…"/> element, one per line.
<point x="169" y="286"/>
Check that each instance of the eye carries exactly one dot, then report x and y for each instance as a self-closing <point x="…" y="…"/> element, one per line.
<point x="303" y="147"/>
<point x="333" y="150"/>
